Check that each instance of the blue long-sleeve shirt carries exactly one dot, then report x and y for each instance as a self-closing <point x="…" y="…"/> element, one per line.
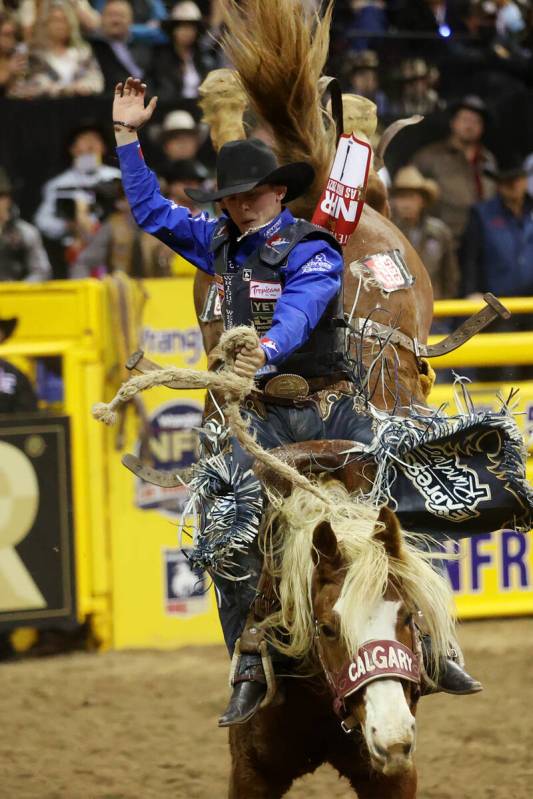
<point x="311" y="277"/>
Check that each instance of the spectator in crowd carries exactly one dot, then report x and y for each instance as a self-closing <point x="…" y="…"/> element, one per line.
<point x="13" y="55"/>
<point x="180" y="67"/>
<point x="22" y="255"/>
<point x="117" y="54"/>
<point x="411" y="196"/>
<point x="183" y="174"/>
<point x="417" y="96"/>
<point x="509" y="20"/>
<point x="60" y="62"/>
<point x="147" y="17"/>
<point x="179" y="138"/>
<point x="29" y="11"/>
<point x="484" y="62"/>
<point x="497" y="248"/>
<point x="361" y="73"/>
<point x="497" y="255"/>
<point x="69" y="213"/>
<point x="119" y="245"/>
<point x="178" y="176"/>
<point x="458" y="164"/>
<point x="16" y="392"/>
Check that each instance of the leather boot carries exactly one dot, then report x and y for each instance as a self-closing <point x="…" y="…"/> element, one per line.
<point x="249" y="690"/>
<point x="452" y="679"/>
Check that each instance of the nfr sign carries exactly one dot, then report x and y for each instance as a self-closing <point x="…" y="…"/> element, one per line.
<point x="36" y="536"/>
<point x="493" y="573"/>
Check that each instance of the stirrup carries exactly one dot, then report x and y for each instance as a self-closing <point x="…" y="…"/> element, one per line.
<point x="268" y="669"/>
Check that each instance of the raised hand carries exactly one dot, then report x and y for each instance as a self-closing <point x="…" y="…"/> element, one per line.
<point x="128" y="104"/>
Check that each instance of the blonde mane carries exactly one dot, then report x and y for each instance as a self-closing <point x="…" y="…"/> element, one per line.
<point x="289" y="546"/>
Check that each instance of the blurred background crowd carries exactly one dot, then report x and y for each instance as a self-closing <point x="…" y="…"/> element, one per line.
<point x="458" y="181"/>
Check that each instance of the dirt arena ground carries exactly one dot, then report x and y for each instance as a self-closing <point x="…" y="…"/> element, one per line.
<point x="142" y="725"/>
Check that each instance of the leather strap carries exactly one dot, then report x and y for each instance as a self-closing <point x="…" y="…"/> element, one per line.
<point x="493" y="310"/>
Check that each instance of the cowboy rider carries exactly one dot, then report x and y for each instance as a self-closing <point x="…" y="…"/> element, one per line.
<point x="284" y="277"/>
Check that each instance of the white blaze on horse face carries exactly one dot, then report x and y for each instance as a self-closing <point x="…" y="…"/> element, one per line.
<point x="389" y="727"/>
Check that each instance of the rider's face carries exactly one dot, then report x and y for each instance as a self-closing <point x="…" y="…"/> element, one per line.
<point x="255" y="208"/>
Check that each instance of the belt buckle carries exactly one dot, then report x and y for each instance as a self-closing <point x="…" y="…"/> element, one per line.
<point x="287" y="387"/>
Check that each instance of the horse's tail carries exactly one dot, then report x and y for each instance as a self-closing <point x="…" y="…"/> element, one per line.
<point x="279" y="50"/>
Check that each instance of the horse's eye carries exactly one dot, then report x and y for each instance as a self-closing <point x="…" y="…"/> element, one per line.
<point x="328" y="630"/>
<point x="408" y="619"/>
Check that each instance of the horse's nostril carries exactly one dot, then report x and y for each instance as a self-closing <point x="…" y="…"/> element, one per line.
<point x="373" y="730"/>
<point x="407" y="749"/>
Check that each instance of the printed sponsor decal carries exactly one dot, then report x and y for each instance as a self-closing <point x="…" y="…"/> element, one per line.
<point x="277" y="242"/>
<point x="319" y="263"/>
<point x="341" y="203"/>
<point x="451" y="489"/>
<point x="273" y="229"/>
<point x="390" y="270"/>
<point x="220" y="232"/>
<point x="173" y="445"/>
<point x="265" y="290"/>
<point x="187" y="343"/>
<point x="185" y="589"/>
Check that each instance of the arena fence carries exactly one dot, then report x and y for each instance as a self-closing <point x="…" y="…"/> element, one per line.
<point x="82" y="539"/>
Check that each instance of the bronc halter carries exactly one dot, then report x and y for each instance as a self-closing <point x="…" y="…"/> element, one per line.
<point x="374" y="660"/>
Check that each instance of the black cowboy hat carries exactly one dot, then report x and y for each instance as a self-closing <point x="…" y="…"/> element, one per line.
<point x="472" y="103"/>
<point x="513" y="168"/>
<point x="243" y="165"/>
<point x="184" y="170"/>
<point x="7" y="327"/>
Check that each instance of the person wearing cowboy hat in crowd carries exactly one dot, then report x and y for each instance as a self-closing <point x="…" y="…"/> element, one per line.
<point x="282" y="276"/>
<point x="16" y="392"/>
<point x="411" y="197"/>
<point x="180" y="66"/>
<point x="361" y="76"/>
<point x="178" y="177"/>
<point x="179" y="138"/>
<point x="417" y="95"/>
<point x="22" y="254"/>
<point x="458" y="164"/>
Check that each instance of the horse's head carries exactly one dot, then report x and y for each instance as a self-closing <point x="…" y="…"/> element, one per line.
<point x="366" y="641"/>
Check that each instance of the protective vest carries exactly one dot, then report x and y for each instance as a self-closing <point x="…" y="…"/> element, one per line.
<point x="248" y="296"/>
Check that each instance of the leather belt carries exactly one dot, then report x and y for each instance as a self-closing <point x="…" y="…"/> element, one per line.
<point x="336" y="383"/>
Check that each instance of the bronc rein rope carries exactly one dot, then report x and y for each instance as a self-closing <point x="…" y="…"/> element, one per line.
<point x="233" y="387"/>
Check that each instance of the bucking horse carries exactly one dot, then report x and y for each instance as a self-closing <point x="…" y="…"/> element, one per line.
<point x="346" y="594"/>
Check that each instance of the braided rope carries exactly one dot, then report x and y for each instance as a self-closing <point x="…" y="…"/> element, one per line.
<point x="234" y="388"/>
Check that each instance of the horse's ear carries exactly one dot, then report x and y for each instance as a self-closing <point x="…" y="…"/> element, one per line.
<point x="326" y="554"/>
<point x="391" y="534"/>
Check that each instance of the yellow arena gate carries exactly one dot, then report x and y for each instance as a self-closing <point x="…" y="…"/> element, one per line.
<point x="93" y="542"/>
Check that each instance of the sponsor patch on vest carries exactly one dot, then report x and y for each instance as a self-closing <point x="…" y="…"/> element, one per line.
<point x="319" y="263"/>
<point x="277" y="242"/>
<point x="389" y="270"/>
<point x="262" y="290"/>
<point x="450" y="488"/>
<point x="270" y="345"/>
